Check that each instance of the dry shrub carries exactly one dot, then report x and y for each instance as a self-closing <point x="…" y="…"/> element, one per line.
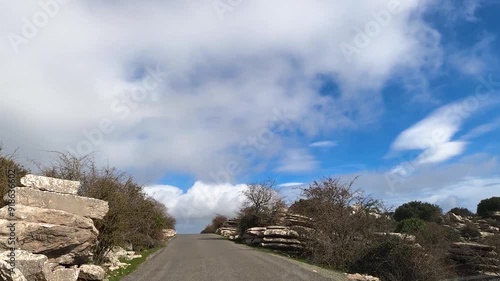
<point x="217" y="222"/>
<point x="9" y="162"/>
<point x="342" y="222"/>
<point x="261" y="207"/>
<point x="392" y="259"/>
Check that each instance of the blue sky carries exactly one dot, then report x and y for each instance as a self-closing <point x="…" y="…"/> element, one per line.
<point x="197" y="98"/>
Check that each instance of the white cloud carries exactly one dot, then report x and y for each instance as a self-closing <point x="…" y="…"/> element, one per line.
<point x="225" y="77"/>
<point x="289" y="184"/>
<point x="323" y="144"/>
<point x="433" y="135"/>
<point x="195" y="208"/>
<point x="297" y="161"/>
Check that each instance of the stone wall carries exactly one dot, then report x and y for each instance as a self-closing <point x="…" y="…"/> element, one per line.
<point x="53" y="232"/>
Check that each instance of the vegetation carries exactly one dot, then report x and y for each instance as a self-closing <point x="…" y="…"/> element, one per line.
<point x="9" y="162"/>
<point x="217" y="222"/>
<point x="421" y="210"/>
<point x="133" y="218"/>
<point x="486" y="206"/>
<point x="464" y="212"/>
<point x="261" y="206"/>
<point x="411" y="226"/>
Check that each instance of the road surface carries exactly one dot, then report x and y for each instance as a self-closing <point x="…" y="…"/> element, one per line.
<point x="208" y="257"/>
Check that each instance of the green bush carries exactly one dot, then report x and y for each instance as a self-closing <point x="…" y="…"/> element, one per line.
<point x="488" y="205"/>
<point x="410" y="226"/>
<point x="464" y="212"/>
<point x="421" y="210"/>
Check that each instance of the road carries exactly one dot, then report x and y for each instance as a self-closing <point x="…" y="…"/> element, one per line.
<point x="208" y="257"/>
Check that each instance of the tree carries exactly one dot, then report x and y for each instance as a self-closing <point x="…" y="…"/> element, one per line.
<point x="464" y="212"/>
<point x="261" y="206"/>
<point x="421" y="210"/>
<point x="486" y="206"/>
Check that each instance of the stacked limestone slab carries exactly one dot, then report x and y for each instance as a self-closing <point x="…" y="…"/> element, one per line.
<point x="273" y="237"/>
<point x="229" y="229"/>
<point x="54" y="231"/>
<point x="474" y="258"/>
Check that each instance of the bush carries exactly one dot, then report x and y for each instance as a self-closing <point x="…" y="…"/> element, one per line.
<point x="421" y="210"/>
<point x="464" y="212"/>
<point x="392" y="259"/>
<point x="8" y="162"/>
<point x="217" y="222"/>
<point x="340" y="234"/>
<point x="488" y="205"/>
<point x="410" y="226"/>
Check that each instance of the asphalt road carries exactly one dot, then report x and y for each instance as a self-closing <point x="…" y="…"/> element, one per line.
<point x="209" y="257"/>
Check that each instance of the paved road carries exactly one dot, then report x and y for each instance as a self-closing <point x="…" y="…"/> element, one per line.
<point x="209" y="257"/>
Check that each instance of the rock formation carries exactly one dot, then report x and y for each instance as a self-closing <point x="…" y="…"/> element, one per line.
<point x="53" y="232"/>
<point x="474" y="258"/>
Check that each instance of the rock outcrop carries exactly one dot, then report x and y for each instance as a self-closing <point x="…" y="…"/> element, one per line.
<point x="78" y="205"/>
<point x="360" y="277"/>
<point x="52" y="231"/>
<point x="474" y="258"/>
<point x="229" y="229"/>
<point x="273" y="237"/>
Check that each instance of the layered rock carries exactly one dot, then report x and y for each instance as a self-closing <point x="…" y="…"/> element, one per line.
<point x="50" y="232"/>
<point x="78" y="205"/>
<point x="54" y="232"/>
<point x="50" y="184"/>
<point x="474" y="258"/>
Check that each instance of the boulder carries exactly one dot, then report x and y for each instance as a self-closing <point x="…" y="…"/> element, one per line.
<point x="63" y="274"/>
<point x="49" y="232"/>
<point x="50" y="184"/>
<point x="30" y="265"/>
<point x="7" y="275"/>
<point x="78" y="205"/>
<point x="168" y="233"/>
<point x="91" y="272"/>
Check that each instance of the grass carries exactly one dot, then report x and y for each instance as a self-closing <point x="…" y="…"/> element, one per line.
<point x="133" y="264"/>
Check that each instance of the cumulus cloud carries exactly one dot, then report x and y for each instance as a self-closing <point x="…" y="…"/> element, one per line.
<point x="195" y="207"/>
<point x="82" y="77"/>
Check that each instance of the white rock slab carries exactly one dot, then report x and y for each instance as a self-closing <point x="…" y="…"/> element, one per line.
<point x="50" y="184"/>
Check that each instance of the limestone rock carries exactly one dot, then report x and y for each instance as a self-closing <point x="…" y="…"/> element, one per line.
<point x="64" y="274"/>
<point x="30" y="265"/>
<point x="360" y="277"/>
<point x="50" y="232"/>
<point x="50" y="184"/>
<point x="7" y="275"/>
<point x="168" y="233"/>
<point x="91" y="272"/>
<point x="78" y="205"/>
<point x="284" y="233"/>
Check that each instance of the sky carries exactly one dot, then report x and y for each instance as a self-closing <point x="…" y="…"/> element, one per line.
<point x="197" y="98"/>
